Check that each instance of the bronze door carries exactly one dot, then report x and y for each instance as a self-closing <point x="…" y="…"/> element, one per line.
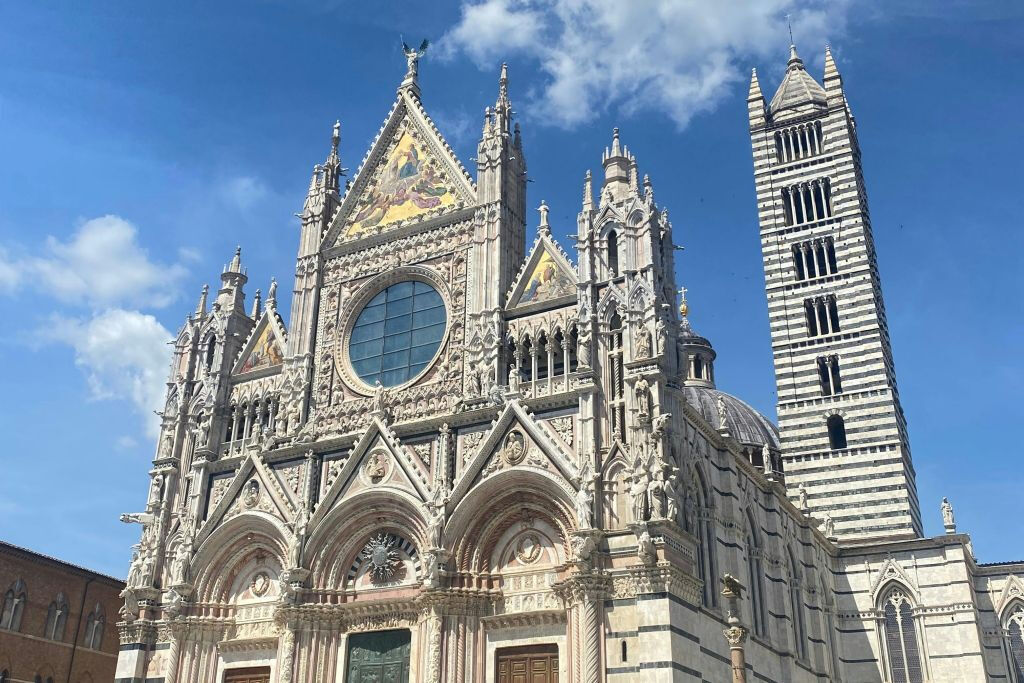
<point x="533" y="664"/>
<point x="378" y="657"/>
<point x="254" y="674"/>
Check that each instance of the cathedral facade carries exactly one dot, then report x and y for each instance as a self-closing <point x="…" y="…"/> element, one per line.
<point x="468" y="458"/>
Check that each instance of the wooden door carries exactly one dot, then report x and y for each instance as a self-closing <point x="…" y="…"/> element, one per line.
<point x="255" y="674"/>
<point x="533" y="664"/>
<point x="378" y="657"/>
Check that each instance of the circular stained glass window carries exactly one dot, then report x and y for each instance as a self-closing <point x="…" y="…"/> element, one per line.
<point x="397" y="333"/>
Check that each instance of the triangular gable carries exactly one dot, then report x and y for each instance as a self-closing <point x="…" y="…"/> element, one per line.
<point x="891" y="571"/>
<point x="1013" y="589"/>
<point x="265" y="347"/>
<point x="498" y="451"/>
<point x="546" y="277"/>
<point x="242" y="496"/>
<point x="377" y="458"/>
<point x="410" y="174"/>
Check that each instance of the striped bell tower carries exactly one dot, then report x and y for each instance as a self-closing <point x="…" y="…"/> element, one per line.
<point x="844" y="436"/>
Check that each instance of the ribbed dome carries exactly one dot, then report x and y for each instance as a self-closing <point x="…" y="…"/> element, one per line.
<point x="798" y="87"/>
<point x="745" y="424"/>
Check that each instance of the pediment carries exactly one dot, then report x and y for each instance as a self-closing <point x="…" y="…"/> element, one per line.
<point x="264" y="350"/>
<point x="515" y="440"/>
<point x="546" y="277"/>
<point x="253" y="489"/>
<point x="891" y="571"/>
<point x="378" y="460"/>
<point x="410" y="175"/>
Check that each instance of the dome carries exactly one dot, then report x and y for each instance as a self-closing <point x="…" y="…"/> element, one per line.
<point x="745" y="424"/>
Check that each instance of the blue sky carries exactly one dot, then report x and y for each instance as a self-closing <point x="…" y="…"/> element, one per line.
<point x="139" y="143"/>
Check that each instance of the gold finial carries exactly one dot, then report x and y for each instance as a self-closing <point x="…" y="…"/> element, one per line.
<point x="684" y="308"/>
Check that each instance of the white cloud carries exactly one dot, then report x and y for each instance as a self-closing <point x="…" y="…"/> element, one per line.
<point x="243" y="192"/>
<point x="103" y="264"/>
<point x="673" y="56"/>
<point x="124" y="354"/>
<point x="10" y="272"/>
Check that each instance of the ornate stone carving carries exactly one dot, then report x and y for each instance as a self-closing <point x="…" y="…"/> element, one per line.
<point x="376" y="466"/>
<point x="381" y="557"/>
<point x="514" y="448"/>
<point x="251" y="493"/>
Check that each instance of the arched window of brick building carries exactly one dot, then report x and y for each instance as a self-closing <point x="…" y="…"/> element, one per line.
<point x="56" y="618"/>
<point x="94" y="628"/>
<point x="14" y="606"/>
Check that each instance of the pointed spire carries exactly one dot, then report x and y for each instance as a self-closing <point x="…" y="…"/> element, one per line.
<point x="502" y="107"/>
<point x="754" y="93"/>
<point x="201" y="307"/>
<point x="588" y="192"/>
<point x="832" y="81"/>
<point x="648" y="190"/>
<point x="236" y="263"/>
<point x="794" y="58"/>
<point x="616" y="149"/>
<point x="256" y="303"/>
<point x="544" y="228"/>
<point x="503" y="84"/>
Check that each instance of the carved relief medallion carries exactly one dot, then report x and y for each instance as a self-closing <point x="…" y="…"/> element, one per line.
<point x="376" y="467"/>
<point x="382" y="557"/>
<point x="260" y="584"/>
<point x="251" y="493"/>
<point x="514" y="449"/>
<point x="528" y="548"/>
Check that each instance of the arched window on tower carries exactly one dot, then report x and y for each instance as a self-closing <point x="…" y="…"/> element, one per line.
<point x="836" y="432"/>
<point x="1014" y="632"/>
<point x="903" y="655"/>
<point x="698" y="521"/>
<point x="613" y="253"/>
<point x="14" y="606"/>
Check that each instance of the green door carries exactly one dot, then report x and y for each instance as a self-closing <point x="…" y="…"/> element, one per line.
<point x="378" y="657"/>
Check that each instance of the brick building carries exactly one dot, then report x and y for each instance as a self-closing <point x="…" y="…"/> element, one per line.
<point x="58" y="621"/>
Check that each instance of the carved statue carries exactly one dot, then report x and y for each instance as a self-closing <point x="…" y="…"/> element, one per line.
<point x="205" y="419"/>
<point x="379" y="398"/>
<point x="720" y="405"/>
<point x="298" y="537"/>
<point x="656" y="494"/>
<point x="661" y="330"/>
<point x="643" y="397"/>
<point x="412" y="58"/>
<point x="182" y="558"/>
<point x="658" y="427"/>
<point x="166" y="445"/>
<point x="948" y="520"/>
<point x="272" y="292"/>
<point x="802" y="497"/>
<point x="130" y="609"/>
<point x="172" y="605"/>
<point x="828" y="526"/>
<point x="135" y="571"/>
<point x="671" y="498"/>
<point x="156" y="489"/>
<point x="645" y="547"/>
<point x="583" y="550"/>
<point x="643" y="343"/>
<point x="766" y="456"/>
<point x="583" y="352"/>
<point x="638" y="491"/>
<point x="435" y="526"/>
<point x="431" y="570"/>
<point x="585" y="504"/>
